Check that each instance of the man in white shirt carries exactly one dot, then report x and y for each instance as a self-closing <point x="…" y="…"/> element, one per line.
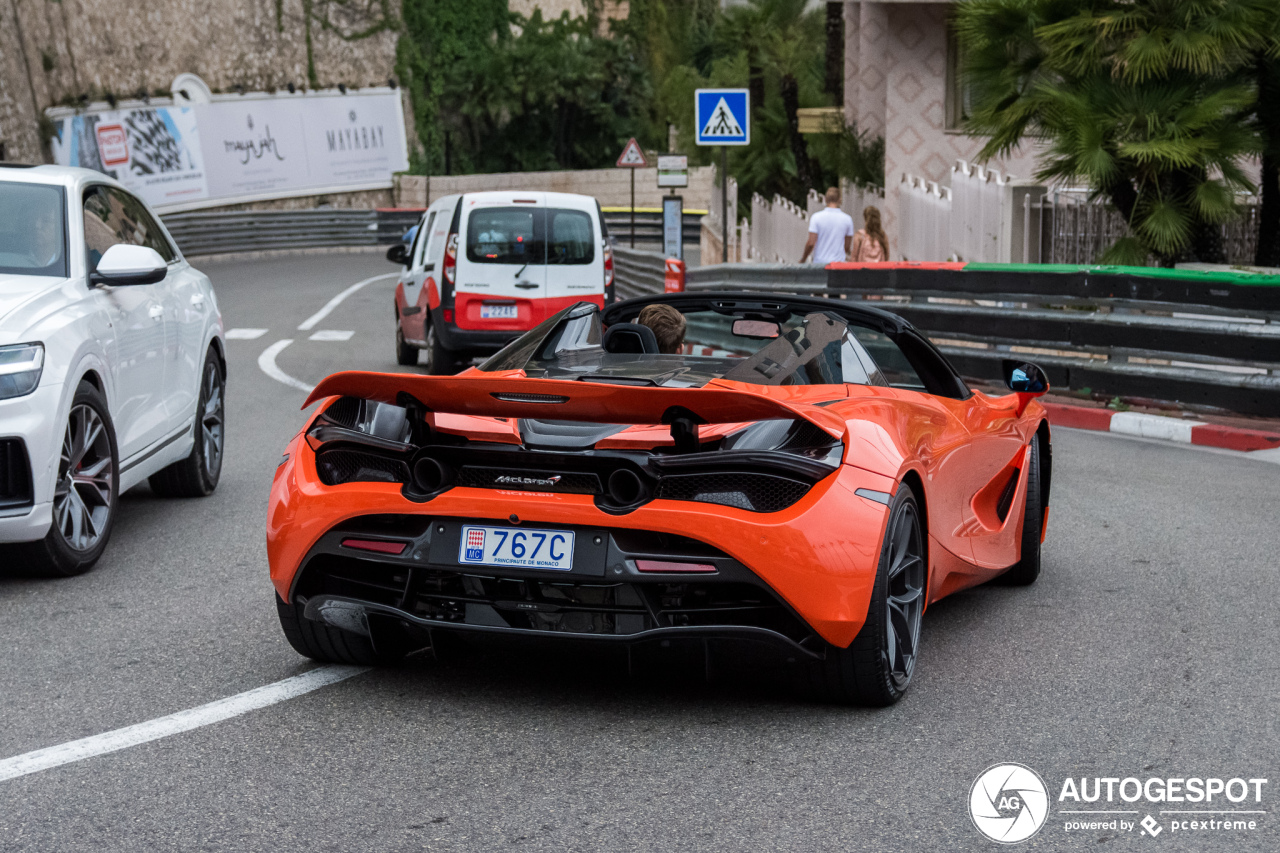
<point x="830" y="233"/>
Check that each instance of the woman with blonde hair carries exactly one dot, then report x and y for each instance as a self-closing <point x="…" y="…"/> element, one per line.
<point x="870" y="244"/>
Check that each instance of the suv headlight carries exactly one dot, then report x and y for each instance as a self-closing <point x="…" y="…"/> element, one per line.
<point x="20" y="369"/>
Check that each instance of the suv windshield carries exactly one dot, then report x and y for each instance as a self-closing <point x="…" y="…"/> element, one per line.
<point x="780" y="348"/>
<point x="529" y="235"/>
<point x="33" y="233"/>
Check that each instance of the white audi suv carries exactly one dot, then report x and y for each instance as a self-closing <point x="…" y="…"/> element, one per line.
<point x="112" y="365"/>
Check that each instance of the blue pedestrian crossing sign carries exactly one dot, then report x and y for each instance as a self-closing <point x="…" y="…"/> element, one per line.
<point x="723" y="116"/>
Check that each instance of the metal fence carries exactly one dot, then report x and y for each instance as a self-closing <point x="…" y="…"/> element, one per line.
<point x="1077" y="230"/>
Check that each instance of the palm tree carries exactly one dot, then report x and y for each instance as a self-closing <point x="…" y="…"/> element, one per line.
<point x="1148" y="101"/>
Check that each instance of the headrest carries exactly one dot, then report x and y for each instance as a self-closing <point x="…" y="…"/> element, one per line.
<point x="630" y="337"/>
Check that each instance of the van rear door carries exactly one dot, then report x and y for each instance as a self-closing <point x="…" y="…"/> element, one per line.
<point x="575" y="253"/>
<point x="502" y="273"/>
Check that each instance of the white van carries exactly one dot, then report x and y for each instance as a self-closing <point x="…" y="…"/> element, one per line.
<point x="485" y="267"/>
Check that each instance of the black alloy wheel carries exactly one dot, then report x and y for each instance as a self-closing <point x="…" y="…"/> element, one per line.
<point x="197" y="475"/>
<point x="876" y="669"/>
<point x="84" y="497"/>
<point x="1027" y="569"/>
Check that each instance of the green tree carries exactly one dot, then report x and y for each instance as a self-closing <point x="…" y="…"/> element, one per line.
<point x="1145" y="100"/>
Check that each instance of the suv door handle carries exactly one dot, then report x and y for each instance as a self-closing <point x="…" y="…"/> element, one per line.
<point x="156" y="312"/>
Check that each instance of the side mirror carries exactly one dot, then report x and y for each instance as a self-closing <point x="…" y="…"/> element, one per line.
<point x="1023" y="377"/>
<point x="125" y="264"/>
<point x="399" y="254"/>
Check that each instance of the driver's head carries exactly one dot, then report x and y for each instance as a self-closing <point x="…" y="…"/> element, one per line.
<point x="668" y="327"/>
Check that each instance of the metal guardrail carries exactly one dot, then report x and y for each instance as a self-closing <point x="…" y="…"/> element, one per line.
<point x="1196" y="339"/>
<point x="637" y="272"/>
<point x="649" y="226"/>
<point x="215" y="232"/>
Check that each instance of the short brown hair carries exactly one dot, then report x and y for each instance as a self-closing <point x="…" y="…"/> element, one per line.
<point x="668" y="327"/>
<point x="833" y="195"/>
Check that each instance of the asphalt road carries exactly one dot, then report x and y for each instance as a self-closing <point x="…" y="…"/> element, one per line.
<point x="1147" y="648"/>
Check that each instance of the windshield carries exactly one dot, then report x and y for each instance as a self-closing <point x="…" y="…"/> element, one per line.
<point x="775" y="348"/>
<point x="33" y="234"/>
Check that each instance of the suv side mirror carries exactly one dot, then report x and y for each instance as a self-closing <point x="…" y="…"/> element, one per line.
<point x="125" y="264"/>
<point x="1023" y="377"/>
<point x="399" y="254"/>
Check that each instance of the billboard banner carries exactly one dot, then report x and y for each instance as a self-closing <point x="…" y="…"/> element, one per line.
<point x="241" y="148"/>
<point x="154" y="151"/>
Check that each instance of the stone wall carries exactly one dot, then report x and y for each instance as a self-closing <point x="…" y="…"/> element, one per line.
<point x="611" y="187"/>
<point x="55" y="51"/>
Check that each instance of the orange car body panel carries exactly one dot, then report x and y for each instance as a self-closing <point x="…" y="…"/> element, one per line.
<point x="820" y="555"/>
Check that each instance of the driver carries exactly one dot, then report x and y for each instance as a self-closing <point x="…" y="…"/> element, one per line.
<point x="668" y="327"/>
<point x="46" y="237"/>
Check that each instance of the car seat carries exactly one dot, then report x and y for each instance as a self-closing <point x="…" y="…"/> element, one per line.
<point x="630" y="337"/>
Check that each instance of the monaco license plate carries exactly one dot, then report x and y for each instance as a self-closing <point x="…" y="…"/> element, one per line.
<point x="497" y="312"/>
<point x="509" y="546"/>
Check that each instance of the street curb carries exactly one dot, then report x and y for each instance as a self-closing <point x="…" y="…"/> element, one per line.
<point x="1157" y="426"/>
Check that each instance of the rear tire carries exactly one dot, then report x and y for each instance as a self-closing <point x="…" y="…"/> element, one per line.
<point x="321" y="642"/>
<point x="406" y="353"/>
<point x="876" y="669"/>
<point x="197" y="476"/>
<point x="86" y="496"/>
<point x="441" y="361"/>
<point x="1027" y="569"/>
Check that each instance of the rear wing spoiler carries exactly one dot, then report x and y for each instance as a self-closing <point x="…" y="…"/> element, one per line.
<point x="512" y="396"/>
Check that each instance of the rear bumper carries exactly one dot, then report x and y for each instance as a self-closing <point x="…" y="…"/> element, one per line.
<point x="818" y="557"/>
<point x="470" y="341"/>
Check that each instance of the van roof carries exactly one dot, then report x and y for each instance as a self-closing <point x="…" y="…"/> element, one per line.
<point x="575" y="201"/>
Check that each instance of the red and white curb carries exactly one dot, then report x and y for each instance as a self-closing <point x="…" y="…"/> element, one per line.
<point x="1157" y="426"/>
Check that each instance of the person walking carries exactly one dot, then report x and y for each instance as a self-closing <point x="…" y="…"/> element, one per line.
<point x="830" y="233"/>
<point x="870" y="244"/>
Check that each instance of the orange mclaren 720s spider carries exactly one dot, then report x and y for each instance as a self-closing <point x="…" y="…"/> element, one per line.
<point x="805" y="475"/>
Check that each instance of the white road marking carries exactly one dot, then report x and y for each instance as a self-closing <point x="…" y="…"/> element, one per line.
<point x="267" y="364"/>
<point x="245" y="334"/>
<point x="331" y="335"/>
<point x="183" y="721"/>
<point x="310" y="323"/>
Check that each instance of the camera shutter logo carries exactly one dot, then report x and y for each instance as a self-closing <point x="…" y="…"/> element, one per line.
<point x="1009" y="803"/>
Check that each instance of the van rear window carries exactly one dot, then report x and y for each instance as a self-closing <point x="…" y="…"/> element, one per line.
<point x="537" y="236"/>
<point x="503" y="235"/>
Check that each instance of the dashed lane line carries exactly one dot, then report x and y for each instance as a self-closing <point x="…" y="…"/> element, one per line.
<point x="331" y="335"/>
<point x="182" y="721"/>
<point x="310" y="323"/>
<point x="245" y="334"/>
<point x="267" y="364"/>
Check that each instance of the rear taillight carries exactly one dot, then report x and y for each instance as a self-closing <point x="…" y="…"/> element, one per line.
<point x="450" y="259"/>
<point x="377" y="546"/>
<point x="608" y="266"/>
<point x="448" y="315"/>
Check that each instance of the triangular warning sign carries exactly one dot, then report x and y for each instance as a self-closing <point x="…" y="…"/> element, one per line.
<point x="632" y="156"/>
<point x="721" y="123"/>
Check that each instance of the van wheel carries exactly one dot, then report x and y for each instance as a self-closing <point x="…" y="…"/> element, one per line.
<point x="406" y="353"/>
<point x="440" y="361"/>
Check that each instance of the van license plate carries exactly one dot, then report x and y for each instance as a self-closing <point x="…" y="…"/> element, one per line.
<point x="497" y="312"/>
<point x="508" y="546"/>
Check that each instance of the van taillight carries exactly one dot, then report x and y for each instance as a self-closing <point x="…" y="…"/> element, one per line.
<point x="608" y="266"/>
<point x="450" y="258"/>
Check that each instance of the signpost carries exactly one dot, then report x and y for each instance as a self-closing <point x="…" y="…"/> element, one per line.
<point x="632" y="158"/>
<point x="673" y="226"/>
<point x="723" y="117"/>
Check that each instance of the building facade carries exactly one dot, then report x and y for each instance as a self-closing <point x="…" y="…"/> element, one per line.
<point x="901" y="83"/>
